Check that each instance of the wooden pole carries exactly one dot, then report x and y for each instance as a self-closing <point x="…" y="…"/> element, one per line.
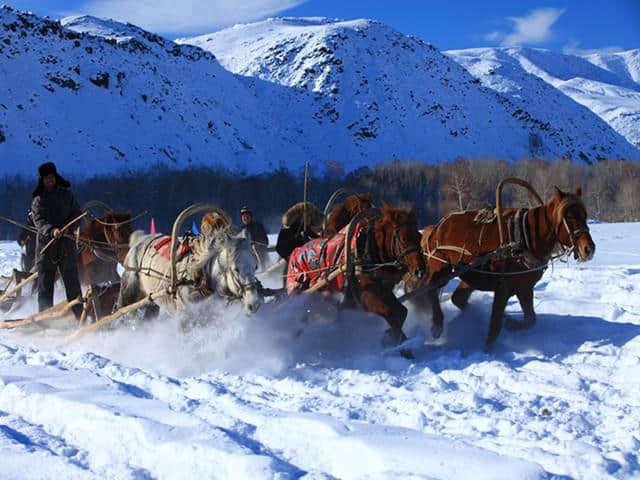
<point x="87" y="305"/>
<point x="323" y="281"/>
<point x="115" y="315"/>
<point x="305" y="197"/>
<point x="54" y="312"/>
<point x="5" y="296"/>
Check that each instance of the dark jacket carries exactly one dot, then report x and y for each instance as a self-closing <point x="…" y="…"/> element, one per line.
<point x="258" y="233"/>
<point x="27" y="239"/>
<point x="291" y="237"/>
<point x="54" y="210"/>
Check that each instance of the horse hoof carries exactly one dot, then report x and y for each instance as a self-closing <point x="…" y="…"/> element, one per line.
<point x="393" y="337"/>
<point x="436" y="331"/>
<point x="514" y="325"/>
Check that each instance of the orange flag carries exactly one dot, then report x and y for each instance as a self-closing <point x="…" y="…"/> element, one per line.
<point x="153" y="225"/>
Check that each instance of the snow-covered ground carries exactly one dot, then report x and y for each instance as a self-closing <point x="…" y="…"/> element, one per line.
<point x="259" y="398"/>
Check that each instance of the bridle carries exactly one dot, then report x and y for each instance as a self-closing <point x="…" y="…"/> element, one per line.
<point x="571" y="232"/>
<point x="399" y="251"/>
<point x="243" y="288"/>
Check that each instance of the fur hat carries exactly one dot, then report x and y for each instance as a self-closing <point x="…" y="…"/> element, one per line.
<point x="49" y="168"/>
<point x="246" y="209"/>
<point x="294" y="215"/>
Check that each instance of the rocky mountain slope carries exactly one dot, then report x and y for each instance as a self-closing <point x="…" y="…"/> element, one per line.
<point x="605" y="84"/>
<point x="100" y="96"/>
<point x="379" y="83"/>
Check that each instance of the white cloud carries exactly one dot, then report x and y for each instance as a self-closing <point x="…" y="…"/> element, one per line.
<point x="186" y="16"/>
<point x="535" y="28"/>
<point x="494" y="36"/>
<point x="573" y="48"/>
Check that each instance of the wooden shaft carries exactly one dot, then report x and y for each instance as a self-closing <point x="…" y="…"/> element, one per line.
<point x="514" y="181"/>
<point x="87" y="306"/>
<point x="19" y="286"/>
<point x="56" y="311"/>
<point x="281" y="262"/>
<point x="324" y="281"/>
<point x="305" y="196"/>
<point x="151" y="298"/>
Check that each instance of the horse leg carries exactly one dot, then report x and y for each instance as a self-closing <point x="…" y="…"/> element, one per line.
<point x="438" y="278"/>
<point x="381" y="301"/>
<point x="500" y="298"/>
<point x="525" y="297"/>
<point x="437" y="317"/>
<point x="151" y="312"/>
<point x="460" y="297"/>
<point x="129" y="289"/>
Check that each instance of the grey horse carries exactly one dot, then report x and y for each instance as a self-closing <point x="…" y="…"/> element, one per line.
<point x="218" y="264"/>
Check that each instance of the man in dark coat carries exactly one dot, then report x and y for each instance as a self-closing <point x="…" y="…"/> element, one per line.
<point x="293" y="234"/>
<point x="27" y="239"/>
<point x="53" y="207"/>
<point x="257" y="233"/>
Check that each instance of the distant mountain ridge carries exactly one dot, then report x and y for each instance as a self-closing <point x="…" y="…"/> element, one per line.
<point x="99" y="96"/>
<point x="347" y="59"/>
<point x="607" y="84"/>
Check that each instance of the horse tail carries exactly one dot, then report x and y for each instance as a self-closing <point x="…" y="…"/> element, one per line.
<point x="135" y="237"/>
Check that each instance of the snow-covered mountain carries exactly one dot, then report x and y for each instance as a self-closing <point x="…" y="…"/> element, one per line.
<point x="606" y="84"/>
<point x="100" y="96"/>
<point x="130" y="100"/>
<point x="379" y="83"/>
<point x="623" y="64"/>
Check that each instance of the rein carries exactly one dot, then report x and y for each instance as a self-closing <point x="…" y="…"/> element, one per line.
<point x="395" y="245"/>
<point x="243" y="288"/>
<point x="118" y="224"/>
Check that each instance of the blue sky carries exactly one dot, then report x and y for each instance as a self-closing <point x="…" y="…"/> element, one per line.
<point x="570" y="26"/>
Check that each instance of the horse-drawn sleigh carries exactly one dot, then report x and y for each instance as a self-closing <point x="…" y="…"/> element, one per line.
<point x="169" y="274"/>
<point x="365" y="253"/>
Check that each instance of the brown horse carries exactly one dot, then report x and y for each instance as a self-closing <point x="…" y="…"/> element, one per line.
<point x="385" y="250"/>
<point x="558" y="225"/>
<point x="103" y="243"/>
<point x="345" y="211"/>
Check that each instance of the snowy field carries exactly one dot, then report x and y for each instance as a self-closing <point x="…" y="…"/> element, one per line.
<point x="268" y="397"/>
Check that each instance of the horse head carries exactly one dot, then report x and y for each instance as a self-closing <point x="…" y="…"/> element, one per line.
<point x="117" y="230"/>
<point x="397" y="231"/>
<point x="569" y="217"/>
<point x="234" y="270"/>
<point x="344" y="212"/>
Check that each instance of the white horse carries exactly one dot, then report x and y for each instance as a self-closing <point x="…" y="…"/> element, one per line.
<point x="218" y="264"/>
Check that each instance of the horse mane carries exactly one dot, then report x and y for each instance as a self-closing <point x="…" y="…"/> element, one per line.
<point x="345" y="211"/>
<point x="564" y="203"/>
<point x="208" y="245"/>
<point x="398" y="216"/>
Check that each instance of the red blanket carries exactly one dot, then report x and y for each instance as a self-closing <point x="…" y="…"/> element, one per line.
<point x="316" y="259"/>
<point x="163" y="247"/>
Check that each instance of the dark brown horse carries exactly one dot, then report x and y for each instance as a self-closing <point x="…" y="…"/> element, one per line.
<point x="103" y="243"/>
<point x="385" y="249"/>
<point x="541" y="232"/>
<point x="345" y="211"/>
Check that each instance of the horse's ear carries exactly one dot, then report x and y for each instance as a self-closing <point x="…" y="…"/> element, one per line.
<point x="579" y="191"/>
<point x="559" y="194"/>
